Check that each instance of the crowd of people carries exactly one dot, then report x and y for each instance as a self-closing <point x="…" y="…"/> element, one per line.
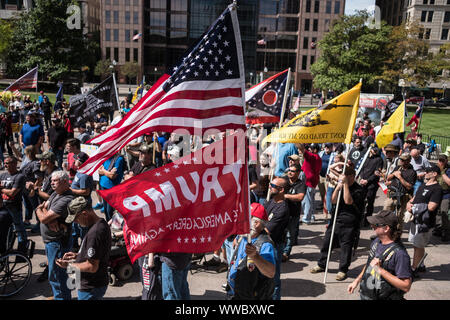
<point x="41" y="182"/>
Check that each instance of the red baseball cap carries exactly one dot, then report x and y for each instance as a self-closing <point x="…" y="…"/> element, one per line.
<point x="258" y="211"/>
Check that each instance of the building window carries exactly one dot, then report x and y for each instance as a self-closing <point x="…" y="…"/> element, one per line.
<point x="127" y="54"/>
<point x="108" y="35"/>
<point x="157" y="19"/>
<point x="108" y="16"/>
<point x="444" y="34"/>
<point x="158" y="4"/>
<point x="430" y="16"/>
<point x="108" y="53"/>
<point x="178" y="5"/>
<point x="127" y="36"/>
<point x="337" y="7"/>
<point x="328" y="7"/>
<point x="316" y="6"/>
<point x="327" y="25"/>
<point x="308" y="6"/>
<point x="116" y="2"/>
<point x="423" y="17"/>
<point x="316" y="25"/>
<point x="306" y="24"/>
<point x="135" y="55"/>
<point x="116" y="54"/>
<point x="116" y="34"/>
<point x="136" y="3"/>
<point x="305" y="42"/>
<point x="127" y="17"/>
<point x="304" y="62"/>
<point x="178" y="21"/>
<point x="313" y="59"/>
<point x="427" y="33"/>
<point x="447" y="16"/>
<point x="136" y="17"/>
<point x="116" y="17"/>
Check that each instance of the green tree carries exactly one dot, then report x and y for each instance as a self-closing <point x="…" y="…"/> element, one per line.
<point x="130" y="69"/>
<point x="5" y="38"/>
<point x="103" y="69"/>
<point x="349" y="52"/>
<point x="42" y="37"/>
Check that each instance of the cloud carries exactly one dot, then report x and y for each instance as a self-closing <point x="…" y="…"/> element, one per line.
<point x="352" y="5"/>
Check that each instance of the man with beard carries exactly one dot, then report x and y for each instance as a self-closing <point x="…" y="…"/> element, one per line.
<point x="369" y="178"/>
<point x="278" y="210"/>
<point x="251" y="274"/>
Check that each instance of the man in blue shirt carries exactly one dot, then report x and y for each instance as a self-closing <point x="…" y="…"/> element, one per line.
<point x="32" y="133"/>
<point x="111" y="174"/>
<point x="251" y="274"/>
<point x="282" y="152"/>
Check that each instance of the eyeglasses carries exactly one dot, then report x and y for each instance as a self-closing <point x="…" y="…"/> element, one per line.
<point x="275" y="186"/>
<point x="292" y="170"/>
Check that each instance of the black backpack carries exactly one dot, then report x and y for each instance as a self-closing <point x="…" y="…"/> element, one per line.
<point x="375" y="287"/>
<point x="252" y="285"/>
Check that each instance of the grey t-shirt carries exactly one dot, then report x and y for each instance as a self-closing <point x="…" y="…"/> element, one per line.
<point x="82" y="182"/>
<point x="15" y="181"/>
<point x="58" y="203"/>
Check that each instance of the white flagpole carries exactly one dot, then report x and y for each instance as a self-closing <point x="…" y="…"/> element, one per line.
<point x="124" y="153"/>
<point x="334" y="221"/>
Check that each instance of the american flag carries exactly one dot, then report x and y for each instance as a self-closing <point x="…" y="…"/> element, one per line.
<point x="205" y="90"/>
<point x="265" y="100"/>
<point x="137" y="36"/>
<point x="27" y="81"/>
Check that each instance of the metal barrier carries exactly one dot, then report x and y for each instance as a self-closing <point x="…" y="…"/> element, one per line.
<point x="442" y="140"/>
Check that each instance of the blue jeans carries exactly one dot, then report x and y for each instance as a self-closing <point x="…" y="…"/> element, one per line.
<point x="291" y="234"/>
<point x="308" y="206"/>
<point x="228" y="247"/>
<point x="174" y="283"/>
<point x="277" y="278"/>
<point x="330" y="191"/>
<point x="93" y="294"/>
<point x="59" y="156"/>
<point x="57" y="277"/>
<point x="16" y="214"/>
<point x="30" y="203"/>
<point x="78" y="232"/>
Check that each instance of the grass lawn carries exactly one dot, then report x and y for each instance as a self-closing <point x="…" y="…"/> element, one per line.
<point x="51" y="96"/>
<point x="434" y="121"/>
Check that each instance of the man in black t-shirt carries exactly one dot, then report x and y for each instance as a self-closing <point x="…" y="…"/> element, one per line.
<point x="294" y="197"/>
<point x="12" y="184"/>
<point x="91" y="262"/>
<point x="424" y="206"/>
<point x="351" y="206"/>
<point x="57" y="137"/>
<point x="401" y="186"/>
<point x="277" y="209"/>
<point x="144" y="163"/>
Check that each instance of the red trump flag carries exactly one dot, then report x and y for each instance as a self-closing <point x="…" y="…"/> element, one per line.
<point x="191" y="205"/>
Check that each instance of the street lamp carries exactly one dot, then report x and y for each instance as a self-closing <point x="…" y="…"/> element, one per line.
<point x="251" y="77"/>
<point x="113" y="65"/>
<point x="380" y="82"/>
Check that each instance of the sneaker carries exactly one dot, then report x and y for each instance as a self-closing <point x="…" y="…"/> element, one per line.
<point x="99" y="205"/>
<point x="284" y="257"/>
<point x="212" y="262"/>
<point x="341" y="276"/>
<point x="317" y="269"/>
<point x="27" y="225"/>
<point x="222" y="267"/>
<point x="43" y="276"/>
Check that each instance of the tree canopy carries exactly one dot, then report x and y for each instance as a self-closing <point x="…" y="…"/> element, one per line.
<point x="41" y="36"/>
<point x="349" y="52"/>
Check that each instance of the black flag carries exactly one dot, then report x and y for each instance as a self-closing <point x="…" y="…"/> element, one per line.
<point x="102" y="98"/>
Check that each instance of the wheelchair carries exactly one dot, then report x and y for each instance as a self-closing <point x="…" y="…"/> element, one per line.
<point x="15" y="266"/>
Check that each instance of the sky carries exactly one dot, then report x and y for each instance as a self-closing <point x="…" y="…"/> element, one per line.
<point x="351" y="5"/>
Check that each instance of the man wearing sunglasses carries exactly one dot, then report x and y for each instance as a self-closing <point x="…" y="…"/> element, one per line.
<point x="294" y="197"/>
<point x="277" y="209"/>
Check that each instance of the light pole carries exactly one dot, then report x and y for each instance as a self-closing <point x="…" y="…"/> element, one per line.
<point x="251" y="78"/>
<point x="112" y="66"/>
<point x="380" y="82"/>
<point x="444" y="86"/>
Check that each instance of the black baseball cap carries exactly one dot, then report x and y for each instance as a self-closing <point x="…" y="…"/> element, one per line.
<point x="384" y="217"/>
<point x="433" y="168"/>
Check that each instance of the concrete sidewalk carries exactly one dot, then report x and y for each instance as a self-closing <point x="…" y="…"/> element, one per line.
<point x="297" y="282"/>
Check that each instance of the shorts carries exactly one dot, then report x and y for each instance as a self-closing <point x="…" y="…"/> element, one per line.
<point x="418" y="240"/>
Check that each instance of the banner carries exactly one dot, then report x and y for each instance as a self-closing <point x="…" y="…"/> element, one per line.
<point x="191" y="205"/>
<point x="331" y="122"/>
<point x="100" y="99"/>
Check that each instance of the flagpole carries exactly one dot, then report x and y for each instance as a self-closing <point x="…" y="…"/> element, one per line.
<point x="334" y="219"/>
<point x="124" y="153"/>
<point x="337" y="204"/>
<point x="283" y="108"/>
<point x="421" y="114"/>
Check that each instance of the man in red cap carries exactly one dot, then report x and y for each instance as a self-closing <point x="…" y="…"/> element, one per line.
<point x="253" y="265"/>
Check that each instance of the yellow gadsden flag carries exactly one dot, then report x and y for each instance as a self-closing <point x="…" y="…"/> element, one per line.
<point x="331" y="122"/>
<point x="395" y="124"/>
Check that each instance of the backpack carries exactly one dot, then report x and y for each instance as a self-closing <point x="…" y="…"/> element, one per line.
<point x="375" y="287"/>
<point x="252" y="285"/>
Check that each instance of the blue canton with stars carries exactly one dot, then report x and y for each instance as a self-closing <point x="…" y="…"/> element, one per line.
<point x="213" y="57"/>
<point x="278" y="84"/>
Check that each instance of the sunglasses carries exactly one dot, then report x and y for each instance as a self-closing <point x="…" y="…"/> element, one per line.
<point x="275" y="186"/>
<point x="378" y="225"/>
<point x="293" y="170"/>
